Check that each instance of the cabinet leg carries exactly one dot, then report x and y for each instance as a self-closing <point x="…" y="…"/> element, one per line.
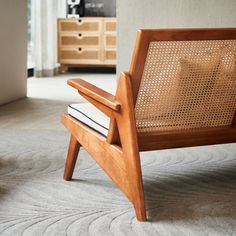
<point x="63" y="69"/>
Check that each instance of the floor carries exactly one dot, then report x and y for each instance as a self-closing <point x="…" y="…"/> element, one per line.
<point x="188" y="191"/>
<point x="47" y="99"/>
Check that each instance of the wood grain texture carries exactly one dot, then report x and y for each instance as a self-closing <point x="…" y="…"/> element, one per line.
<point x="109" y="157"/>
<point x="129" y="143"/>
<point x="94" y="92"/>
<point x="121" y="163"/>
<point x="118" y="154"/>
<point x="83" y="42"/>
<point x="185" y="138"/>
<point x="72" y="155"/>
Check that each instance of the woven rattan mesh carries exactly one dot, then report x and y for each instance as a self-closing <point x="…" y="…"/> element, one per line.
<point x="186" y="85"/>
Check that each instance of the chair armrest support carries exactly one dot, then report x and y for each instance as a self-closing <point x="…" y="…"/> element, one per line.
<point x="95" y="93"/>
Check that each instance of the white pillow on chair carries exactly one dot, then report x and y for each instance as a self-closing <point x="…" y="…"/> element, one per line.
<point x="91" y="116"/>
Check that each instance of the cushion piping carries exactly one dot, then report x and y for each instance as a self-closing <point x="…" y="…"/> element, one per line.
<point x="88" y="117"/>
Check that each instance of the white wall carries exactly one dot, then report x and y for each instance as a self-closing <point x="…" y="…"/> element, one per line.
<point x="13" y="50"/>
<point x="135" y="14"/>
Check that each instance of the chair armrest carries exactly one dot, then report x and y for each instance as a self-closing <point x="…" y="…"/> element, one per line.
<point x="95" y="93"/>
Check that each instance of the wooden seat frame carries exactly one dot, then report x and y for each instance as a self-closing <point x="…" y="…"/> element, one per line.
<point x="118" y="153"/>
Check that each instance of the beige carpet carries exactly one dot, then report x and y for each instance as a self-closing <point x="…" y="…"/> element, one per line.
<point x="188" y="191"/>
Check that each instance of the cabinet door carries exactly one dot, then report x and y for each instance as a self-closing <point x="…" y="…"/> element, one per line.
<point x="110" y="56"/>
<point x="110" y="40"/>
<point x="110" y="25"/>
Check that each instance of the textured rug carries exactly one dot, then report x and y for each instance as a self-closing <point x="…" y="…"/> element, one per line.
<point x="188" y="191"/>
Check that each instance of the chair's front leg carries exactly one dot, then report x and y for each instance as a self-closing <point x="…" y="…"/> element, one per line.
<point x="129" y="142"/>
<point x="72" y="155"/>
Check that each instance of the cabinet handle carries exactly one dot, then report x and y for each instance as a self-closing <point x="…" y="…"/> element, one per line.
<point x="80" y="21"/>
<point x="80" y="35"/>
<point x="80" y="49"/>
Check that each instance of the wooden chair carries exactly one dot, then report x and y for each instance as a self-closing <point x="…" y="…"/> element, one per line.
<point x="180" y="91"/>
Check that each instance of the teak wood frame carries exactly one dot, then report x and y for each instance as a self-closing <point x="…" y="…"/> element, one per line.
<point x="118" y="153"/>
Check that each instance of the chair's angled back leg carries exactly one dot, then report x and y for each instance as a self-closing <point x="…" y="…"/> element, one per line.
<point x="72" y="155"/>
<point x="127" y="130"/>
<point x="134" y="175"/>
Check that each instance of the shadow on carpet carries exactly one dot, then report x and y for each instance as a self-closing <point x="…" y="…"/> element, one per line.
<point x="188" y="191"/>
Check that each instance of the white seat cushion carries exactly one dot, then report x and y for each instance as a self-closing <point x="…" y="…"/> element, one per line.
<point x="91" y="116"/>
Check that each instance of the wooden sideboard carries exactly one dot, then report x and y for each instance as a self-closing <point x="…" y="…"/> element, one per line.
<point x="87" y="41"/>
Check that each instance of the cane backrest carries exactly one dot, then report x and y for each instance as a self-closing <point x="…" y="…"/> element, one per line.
<point x="187" y="84"/>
